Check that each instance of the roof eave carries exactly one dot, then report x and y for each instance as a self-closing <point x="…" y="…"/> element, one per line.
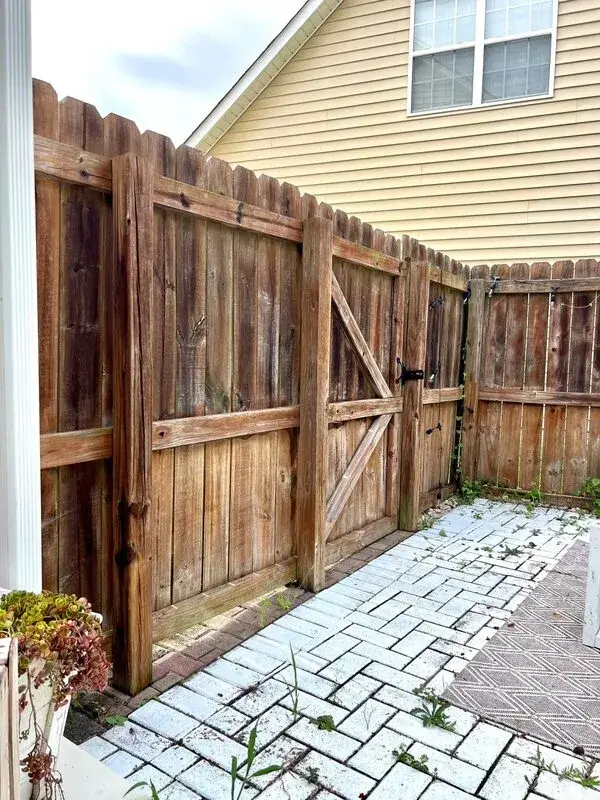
<point x="266" y="67"/>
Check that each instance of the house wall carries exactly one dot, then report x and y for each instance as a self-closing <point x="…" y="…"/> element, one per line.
<point x="506" y="183"/>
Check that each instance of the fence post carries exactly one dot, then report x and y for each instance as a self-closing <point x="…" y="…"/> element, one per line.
<point x="132" y="421"/>
<point x="472" y="364"/>
<point x="415" y="349"/>
<point x="317" y="260"/>
<point x="395" y="427"/>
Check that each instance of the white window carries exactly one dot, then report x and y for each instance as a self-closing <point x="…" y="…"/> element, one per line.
<point x="467" y="53"/>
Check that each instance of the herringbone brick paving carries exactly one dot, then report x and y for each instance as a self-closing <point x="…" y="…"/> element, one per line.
<point x="411" y="619"/>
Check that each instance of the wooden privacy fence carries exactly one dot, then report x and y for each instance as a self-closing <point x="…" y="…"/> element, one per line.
<point x="532" y="380"/>
<point x="210" y="430"/>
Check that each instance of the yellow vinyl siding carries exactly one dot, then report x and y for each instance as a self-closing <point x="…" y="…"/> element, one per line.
<point x="505" y="183"/>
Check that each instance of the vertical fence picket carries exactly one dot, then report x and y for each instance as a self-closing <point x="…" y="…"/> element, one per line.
<point x="394" y="247"/>
<point x="161" y="154"/>
<point x="514" y="363"/>
<point x="288" y="387"/>
<point x="268" y="320"/>
<point x="246" y="453"/>
<point x="557" y="381"/>
<point x="190" y="382"/>
<point x="219" y="366"/>
<point x="132" y="427"/>
<point x="85" y="215"/>
<point x="342" y="361"/>
<point x="46" y="123"/>
<point x="535" y="376"/>
<point x="580" y="363"/>
<point x="470" y="426"/>
<point x="415" y="344"/>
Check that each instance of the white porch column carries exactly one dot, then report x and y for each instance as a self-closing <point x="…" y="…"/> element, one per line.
<point x="20" y="515"/>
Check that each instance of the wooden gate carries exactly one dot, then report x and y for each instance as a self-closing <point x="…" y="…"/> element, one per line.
<point x="367" y="445"/>
<point x="350" y="400"/>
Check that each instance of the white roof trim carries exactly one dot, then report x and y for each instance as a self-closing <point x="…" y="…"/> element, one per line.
<point x="271" y="61"/>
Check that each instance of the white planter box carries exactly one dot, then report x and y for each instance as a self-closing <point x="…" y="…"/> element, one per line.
<point x="591" y="620"/>
<point x="52" y="722"/>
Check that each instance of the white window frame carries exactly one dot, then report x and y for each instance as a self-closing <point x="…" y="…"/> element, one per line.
<point x="479" y="47"/>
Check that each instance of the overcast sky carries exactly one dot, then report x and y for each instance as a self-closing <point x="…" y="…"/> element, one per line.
<point x="162" y="63"/>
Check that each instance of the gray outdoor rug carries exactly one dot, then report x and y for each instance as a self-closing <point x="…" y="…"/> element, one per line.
<point x="536" y="676"/>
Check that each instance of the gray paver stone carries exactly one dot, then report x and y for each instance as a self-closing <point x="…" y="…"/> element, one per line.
<point x="507" y="781"/>
<point x="458" y="773"/>
<point x="483" y="745"/>
<point x="403" y="782"/>
<point x="367" y="720"/>
<point x="346" y="782"/>
<point x="377" y="757"/>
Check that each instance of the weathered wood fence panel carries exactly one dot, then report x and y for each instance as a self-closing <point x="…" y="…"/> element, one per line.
<point x="537" y="404"/>
<point x="182" y="309"/>
<point x="74" y="247"/>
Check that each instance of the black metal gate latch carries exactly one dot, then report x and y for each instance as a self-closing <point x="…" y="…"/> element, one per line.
<point x="409" y="374"/>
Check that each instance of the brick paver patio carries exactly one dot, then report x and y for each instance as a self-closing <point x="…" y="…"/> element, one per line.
<point x="411" y="619"/>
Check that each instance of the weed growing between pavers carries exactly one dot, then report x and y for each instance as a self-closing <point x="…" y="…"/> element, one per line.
<point x="426" y="522"/>
<point x="591" y="488"/>
<point x="470" y="491"/>
<point x="533" y="499"/>
<point x="324" y="723"/>
<point x="248" y="775"/>
<point x="282" y="602"/>
<point x="433" y="711"/>
<point x="510" y="551"/>
<point x="294" y="692"/>
<point x="263" y="611"/>
<point x="116" y="720"/>
<point x="313" y="775"/>
<point x="402" y="756"/>
<point x="570" y="773"/>
<point x="144" y="784"/>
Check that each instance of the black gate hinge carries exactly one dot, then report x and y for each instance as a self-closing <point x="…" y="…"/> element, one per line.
<point x="409" y="374"/>
<point x="439" y="302"/>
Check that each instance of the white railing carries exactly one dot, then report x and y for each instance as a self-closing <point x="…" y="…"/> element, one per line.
<point x="9" y="721"/>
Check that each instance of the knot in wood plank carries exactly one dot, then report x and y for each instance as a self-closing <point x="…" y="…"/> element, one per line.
<point x="139" y="509"/>
<point x="125" y="556"/>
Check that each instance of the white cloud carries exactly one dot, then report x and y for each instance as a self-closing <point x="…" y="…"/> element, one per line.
<point x="162" y="63"/>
